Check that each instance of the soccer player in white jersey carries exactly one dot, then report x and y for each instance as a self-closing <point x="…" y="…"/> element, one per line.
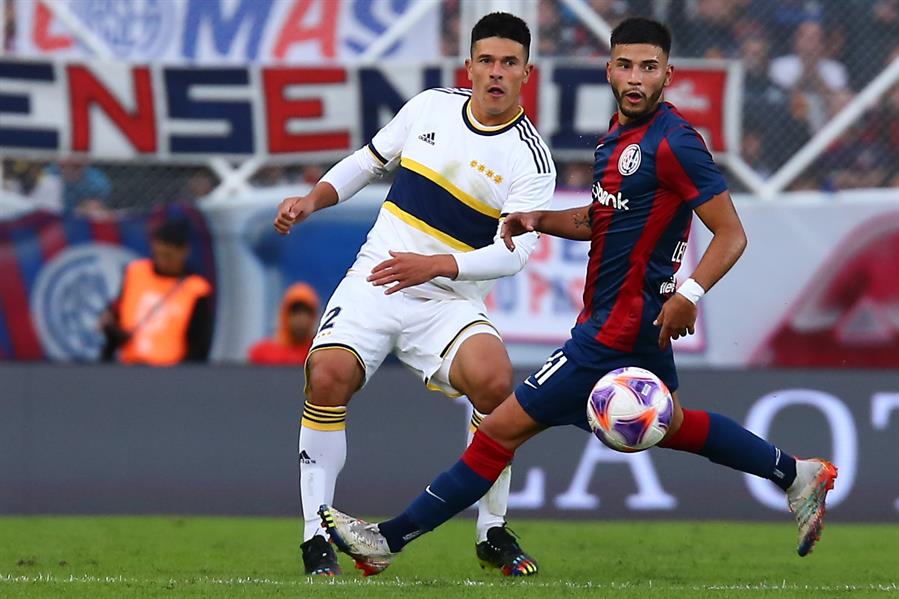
<point x="463" y="158"/>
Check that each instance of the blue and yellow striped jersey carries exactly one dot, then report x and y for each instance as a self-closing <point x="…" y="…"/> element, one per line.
<point x="454" y="180"/>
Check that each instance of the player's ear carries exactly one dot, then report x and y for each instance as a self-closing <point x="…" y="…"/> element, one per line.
<point x="528" y="69"/>
<point x="468" y="68"/>
<point x="608" y="70"/>
<point x="669" y="75"/>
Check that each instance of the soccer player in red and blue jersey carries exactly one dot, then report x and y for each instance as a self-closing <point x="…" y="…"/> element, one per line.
<point x="652" y="172"/>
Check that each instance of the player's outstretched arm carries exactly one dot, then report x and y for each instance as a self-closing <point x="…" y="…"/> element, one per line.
<point x="296" y="209"/>
<point x="340" y="183"/>
<point x="573" y="223"/>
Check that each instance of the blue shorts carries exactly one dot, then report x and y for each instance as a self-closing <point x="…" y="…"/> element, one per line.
<point x="556" y="394"/>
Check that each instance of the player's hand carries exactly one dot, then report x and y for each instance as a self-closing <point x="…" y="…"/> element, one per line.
<point x="406" y="269"/>
<point x="677" y="319"/>
<point x="518" y="223"/>
<point x="292" y="211"/>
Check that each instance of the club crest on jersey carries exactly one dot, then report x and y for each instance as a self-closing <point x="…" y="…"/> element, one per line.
<point x="629" y="161"/>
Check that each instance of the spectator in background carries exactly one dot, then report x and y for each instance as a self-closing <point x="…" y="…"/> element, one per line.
<point x="72" y="186"/>
<point x="449" y="29"/>
<point x="752" y="150"/>
<point x="199" y="185"/>
<point x="759" y="92"/>
<point x="311" y="173"/>
<point x="710" y="33"/>
<point x="163" y="315"/>
<point x="297" y="322"/>
<point x="272" y="176"/>
<point x="867" y="155"/>
<point x="810" y="72"/>
<point x="872" y="29"/>
<point x="765" y="108"/>
<point x="775" y="120"/>
<point x="554" y="34"/>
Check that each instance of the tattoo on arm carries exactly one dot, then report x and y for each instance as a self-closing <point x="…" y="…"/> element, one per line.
<point x="581" y="220"/>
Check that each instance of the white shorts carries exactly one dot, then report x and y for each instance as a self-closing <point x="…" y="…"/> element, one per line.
<point x="424" y="334"/>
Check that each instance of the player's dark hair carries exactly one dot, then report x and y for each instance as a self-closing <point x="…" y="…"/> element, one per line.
<point x="638" y="30"/>
<point x="174" y="231"/>
<point x="505" y="25"/>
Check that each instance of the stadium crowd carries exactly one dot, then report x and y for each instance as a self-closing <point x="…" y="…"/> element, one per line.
<point x="804" y="60"/>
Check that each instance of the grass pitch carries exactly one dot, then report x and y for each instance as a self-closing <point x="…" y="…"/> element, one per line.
<point x="258" y="557"/>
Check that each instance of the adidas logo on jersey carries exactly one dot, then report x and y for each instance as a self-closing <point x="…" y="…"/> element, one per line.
<point x="428" y="138"/>
<point x="305" y="459"/>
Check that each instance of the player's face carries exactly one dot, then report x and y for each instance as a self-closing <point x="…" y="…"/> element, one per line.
<point x="497" y="69"/>
<point x="638" y="74"/>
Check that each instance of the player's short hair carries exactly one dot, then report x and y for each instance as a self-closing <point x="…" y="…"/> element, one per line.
<point x="505" y="25"/>
<point x="638" y="30"/>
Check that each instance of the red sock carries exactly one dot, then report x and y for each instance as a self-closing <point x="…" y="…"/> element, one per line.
<point x="486" y="457"/>
<point x="692" y="434"/>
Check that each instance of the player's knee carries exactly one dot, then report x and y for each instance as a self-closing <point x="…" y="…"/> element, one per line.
<point x="494" y="389"/>
<point x="330" y="384"/>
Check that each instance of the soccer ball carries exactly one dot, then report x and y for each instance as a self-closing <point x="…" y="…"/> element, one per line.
<point x="630" y="409"/>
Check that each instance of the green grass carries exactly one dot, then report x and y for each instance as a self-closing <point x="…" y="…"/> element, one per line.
<point x="258" y="557"/>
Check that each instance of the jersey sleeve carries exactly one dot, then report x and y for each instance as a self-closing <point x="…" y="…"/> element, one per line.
<point x="387" y="144"/>
<point x="686" y="168"/>
<point x="530" y="192"/>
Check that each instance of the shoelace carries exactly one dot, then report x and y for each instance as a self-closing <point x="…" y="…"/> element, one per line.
<point x="367" y="534"/>
<point x="508" y="542"/>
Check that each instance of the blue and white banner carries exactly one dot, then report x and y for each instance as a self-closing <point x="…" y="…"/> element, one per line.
<point x="226" y="31"/>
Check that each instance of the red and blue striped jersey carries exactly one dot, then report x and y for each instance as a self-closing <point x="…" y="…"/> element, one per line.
<point x="649" y="175"/>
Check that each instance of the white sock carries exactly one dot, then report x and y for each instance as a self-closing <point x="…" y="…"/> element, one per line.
<point x="492" y="506"/>
<point x="322" y="453"/>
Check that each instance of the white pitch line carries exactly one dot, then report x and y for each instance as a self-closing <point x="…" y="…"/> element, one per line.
<point x="396" y="582"/>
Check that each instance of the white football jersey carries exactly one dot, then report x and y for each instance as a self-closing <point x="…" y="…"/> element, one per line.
<point x="454" y="179"/>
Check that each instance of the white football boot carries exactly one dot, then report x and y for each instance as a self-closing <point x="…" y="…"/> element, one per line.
<point x="805" y="497"/>
<point x="357" y="538"/>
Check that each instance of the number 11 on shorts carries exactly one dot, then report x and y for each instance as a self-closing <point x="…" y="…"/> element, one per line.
<point x="549" y="368"/>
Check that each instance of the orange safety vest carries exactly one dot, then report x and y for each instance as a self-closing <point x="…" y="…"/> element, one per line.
<point x="157" y="311"/>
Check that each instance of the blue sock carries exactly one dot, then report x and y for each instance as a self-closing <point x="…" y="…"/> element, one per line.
<point x="731" y="445"/>
<point x="449" y="493"/>
<point x="725" y="442"/>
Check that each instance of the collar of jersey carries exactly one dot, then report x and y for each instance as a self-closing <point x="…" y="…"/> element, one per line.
<point x="642" y="120"/>
<point x="480" y="129"/>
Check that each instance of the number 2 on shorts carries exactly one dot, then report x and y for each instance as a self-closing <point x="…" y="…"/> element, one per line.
<point x="328" y="320"/>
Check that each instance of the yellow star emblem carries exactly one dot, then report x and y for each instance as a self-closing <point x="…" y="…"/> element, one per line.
<point x="498" y="179"/>
<point x="473" y="163"/>
<point x="481" y="168"/>
<point x="489" y="173"/>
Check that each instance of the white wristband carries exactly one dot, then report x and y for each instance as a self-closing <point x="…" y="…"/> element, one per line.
<point x="691" y="290"/>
